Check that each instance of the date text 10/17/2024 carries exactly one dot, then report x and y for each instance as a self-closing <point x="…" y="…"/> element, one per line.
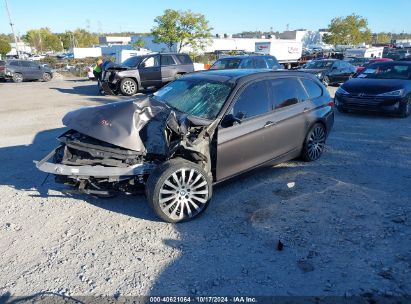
<point x="203" y="299"/>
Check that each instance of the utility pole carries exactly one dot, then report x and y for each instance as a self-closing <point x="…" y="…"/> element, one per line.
<point x="12" y="29"/>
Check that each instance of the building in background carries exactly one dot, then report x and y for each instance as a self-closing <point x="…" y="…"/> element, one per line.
<point x="24" y="49"/>
<point x="107" y="40"/>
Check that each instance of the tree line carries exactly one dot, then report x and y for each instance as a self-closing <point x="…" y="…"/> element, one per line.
<point x="182" y="28"/>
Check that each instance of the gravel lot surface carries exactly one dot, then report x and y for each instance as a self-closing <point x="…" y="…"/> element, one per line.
<point x="345" y="220"/>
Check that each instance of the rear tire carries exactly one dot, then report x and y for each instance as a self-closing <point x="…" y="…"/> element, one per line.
<point x="314" y="144"/>
<point x="47" y="77"/>
<point x="17" y="78"/>
<point x="128" y="86"/>
<point x="178" y="190"/>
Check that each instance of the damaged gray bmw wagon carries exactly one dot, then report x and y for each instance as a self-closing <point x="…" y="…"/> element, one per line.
<point x="197" y="131"/>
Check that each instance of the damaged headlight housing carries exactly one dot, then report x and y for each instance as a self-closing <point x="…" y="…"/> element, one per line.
<point x="396" y="93"/>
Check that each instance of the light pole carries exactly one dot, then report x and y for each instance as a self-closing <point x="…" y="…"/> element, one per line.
<point x="12" y="29"/>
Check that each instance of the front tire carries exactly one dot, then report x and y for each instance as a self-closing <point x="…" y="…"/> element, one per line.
<point x="178" y="190"/>
<point x="47" y="77"/>
<point x="314" y="144"/>
<point x="128" y="86"/>
<point x="17" y="78"/>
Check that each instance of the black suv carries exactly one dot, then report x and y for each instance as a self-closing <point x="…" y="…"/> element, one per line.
<point x="139" y="72"/>
<point x="20" y="70"/>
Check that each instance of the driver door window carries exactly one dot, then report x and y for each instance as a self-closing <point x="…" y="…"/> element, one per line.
<point x="253" y="101"/>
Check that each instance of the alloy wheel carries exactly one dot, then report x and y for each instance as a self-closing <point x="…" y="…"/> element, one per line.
<point x="46" y="77"/>
<point x="17" y="78"/>
<point x="129" y="87"/>
<point x="316" y="142"/>
<point x="184" y="194"/>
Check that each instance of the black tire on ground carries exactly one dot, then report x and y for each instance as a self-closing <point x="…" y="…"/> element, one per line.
<point x="178" y="190"/>
<point x="406" y="108"/>
<point x="128" y="86"/>
<point x="314" y="144"/>
<point x="17" y="77"/>
<point x="47" y="77"/>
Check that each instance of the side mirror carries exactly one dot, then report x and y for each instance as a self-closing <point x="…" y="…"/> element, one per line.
<point x="230" y="120"/>
<point x="333" y="68"/>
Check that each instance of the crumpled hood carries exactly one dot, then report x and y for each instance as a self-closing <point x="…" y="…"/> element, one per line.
<point x="137" y="125"/>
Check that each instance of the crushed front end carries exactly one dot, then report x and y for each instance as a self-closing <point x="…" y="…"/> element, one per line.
<point x="96" y="167"/>
<point x="114" y="147"/>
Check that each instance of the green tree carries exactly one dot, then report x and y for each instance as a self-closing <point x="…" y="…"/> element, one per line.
<point x="83" y="38"/>
<point x="182" y="28"/>
<point x="4" y="47"/>
<point x="7" y="37"/>
<point x="43" y="40"/>
<point x="383" y="38"/>
<point x="139" y="43"/>
<point x="349" y="30"/>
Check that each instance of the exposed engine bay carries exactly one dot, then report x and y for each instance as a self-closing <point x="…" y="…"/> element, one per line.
<point x="114" y="147"/>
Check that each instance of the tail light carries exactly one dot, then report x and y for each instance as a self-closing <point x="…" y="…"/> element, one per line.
<point x="2" y="68"/>
<point x="331" y="103"/>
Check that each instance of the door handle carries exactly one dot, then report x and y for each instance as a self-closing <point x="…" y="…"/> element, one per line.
<point x="305" y="110"/>
<point x="269" y="124"/>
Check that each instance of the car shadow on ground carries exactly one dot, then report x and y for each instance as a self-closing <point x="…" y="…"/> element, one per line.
<point x="84" y="90"/>
<point x="19" y="172"/>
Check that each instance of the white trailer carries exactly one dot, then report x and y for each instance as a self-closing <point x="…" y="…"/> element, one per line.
<point x="86" y="52"/>
<point x="364" y="52"/>
<point x="122" y="55"/>
<point x="287" y="52"/>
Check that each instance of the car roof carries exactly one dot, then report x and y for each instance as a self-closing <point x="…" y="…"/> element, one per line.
<point x="244" y="56"/>
<point x="388" y="63"/>
<point x="237" y="75"/>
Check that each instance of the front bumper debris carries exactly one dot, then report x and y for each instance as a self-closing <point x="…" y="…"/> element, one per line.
<point x="93" y="171"/>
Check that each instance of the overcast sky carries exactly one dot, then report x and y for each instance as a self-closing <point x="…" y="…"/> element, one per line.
<point x="225" y="16"/>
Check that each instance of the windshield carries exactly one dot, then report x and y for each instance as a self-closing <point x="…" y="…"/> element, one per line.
<point x="197" y="97"/>
<point x="386" y="71"/>
<point x="224" y="64"/>
<point x="319" y="64"/>
<point x="132" y="61"/>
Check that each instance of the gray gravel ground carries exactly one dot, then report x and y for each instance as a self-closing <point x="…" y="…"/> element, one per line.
<point x="345" y="222"/>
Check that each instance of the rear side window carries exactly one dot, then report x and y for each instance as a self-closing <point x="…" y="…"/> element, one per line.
<point x="26" y="64"/>
<point x="260" y="63"/>
<point x="14" y="63"/>
<point x="286" y="92"/>
<point x="313" y="89"/>
<point x="252" y="101"/>
<point x="167" y="60"/>
<point x="248" y="64"/>
<point x="184" y="59"/>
